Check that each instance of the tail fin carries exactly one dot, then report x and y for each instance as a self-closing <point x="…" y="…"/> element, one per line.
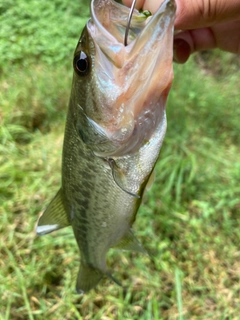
<point x="88" y="278"/>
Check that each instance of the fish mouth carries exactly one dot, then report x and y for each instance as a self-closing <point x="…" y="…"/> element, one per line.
<point x="109" y="21"/>
<point x="133" y="80"/>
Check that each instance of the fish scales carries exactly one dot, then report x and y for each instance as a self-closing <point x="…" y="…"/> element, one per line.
<point x="114" y="131"/>
<point x="99" y="203"/>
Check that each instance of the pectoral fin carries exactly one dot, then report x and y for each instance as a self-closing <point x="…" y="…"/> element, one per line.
<point x="131" y="243"/>
<point x="120" y="178"/>
<point x="54" y="217"/>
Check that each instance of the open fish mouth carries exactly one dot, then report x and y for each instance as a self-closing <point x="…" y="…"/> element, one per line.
<point x="110" y="20"/>
<point x="133" y="81"/>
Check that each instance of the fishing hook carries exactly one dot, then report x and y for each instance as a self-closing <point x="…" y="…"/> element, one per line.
<point x="129" y="22"/>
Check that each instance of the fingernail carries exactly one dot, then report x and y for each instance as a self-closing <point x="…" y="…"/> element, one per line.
<point x="181" y="50"/>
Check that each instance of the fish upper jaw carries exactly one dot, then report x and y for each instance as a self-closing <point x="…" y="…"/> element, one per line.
<point x="132" y="81"/>
<point x="107" y="28"/>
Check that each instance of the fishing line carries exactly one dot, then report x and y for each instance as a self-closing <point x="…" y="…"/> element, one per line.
<point x="129" y="22"/>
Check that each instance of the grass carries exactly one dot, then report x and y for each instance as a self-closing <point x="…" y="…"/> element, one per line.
<point x="189" y="220"/>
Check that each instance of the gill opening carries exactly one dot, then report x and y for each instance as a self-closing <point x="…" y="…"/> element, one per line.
<point x="129" y="22"/>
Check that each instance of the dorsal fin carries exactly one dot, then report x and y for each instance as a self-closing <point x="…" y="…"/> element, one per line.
<point x="54" y="217"/>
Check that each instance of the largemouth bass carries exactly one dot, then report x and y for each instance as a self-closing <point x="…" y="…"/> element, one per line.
<point x="114" y="131"/>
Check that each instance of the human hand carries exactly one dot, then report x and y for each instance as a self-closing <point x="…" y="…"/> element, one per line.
<point x="203" y="25"/>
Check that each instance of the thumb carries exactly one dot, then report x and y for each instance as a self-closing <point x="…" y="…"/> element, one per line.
<point x="192" y="14"/>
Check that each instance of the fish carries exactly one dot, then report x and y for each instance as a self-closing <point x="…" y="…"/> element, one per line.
<point x="115" y="127"/>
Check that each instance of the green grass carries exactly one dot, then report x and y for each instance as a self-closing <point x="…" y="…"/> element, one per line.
<point x="189" y="220"/>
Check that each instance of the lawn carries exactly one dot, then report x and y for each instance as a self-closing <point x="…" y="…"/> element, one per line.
<point x="189" y="221"/>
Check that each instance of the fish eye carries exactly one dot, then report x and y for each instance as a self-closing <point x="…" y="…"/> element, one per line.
<point x="81" y="63"/>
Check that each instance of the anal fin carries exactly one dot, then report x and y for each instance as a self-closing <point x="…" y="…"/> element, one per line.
<point x="131" y="243"/>
<point x="54" y="217"/>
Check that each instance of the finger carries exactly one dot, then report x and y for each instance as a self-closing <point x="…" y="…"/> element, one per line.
<point x="225" y="36"/>
<point x="150" y="5"/>
<point x="139" y="3"/>
<point x="187" y="42"/>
